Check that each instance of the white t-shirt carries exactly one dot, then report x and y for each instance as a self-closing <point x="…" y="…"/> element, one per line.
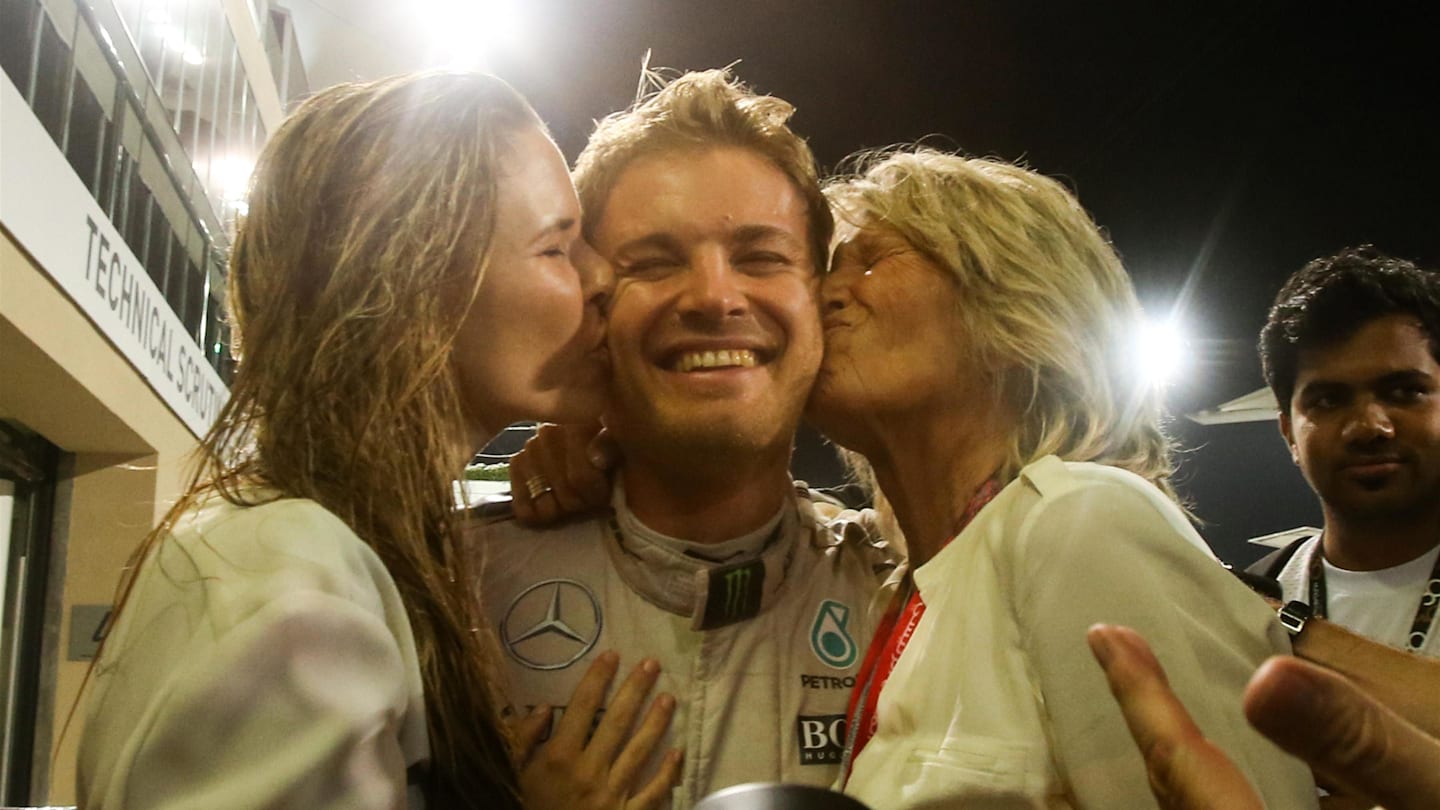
<point x="1379" y="605"/>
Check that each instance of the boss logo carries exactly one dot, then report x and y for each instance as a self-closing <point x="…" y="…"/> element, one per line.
<point x="821" y="738"/>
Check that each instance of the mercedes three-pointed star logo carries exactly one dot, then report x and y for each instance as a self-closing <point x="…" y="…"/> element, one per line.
<point x="548" y="626"/>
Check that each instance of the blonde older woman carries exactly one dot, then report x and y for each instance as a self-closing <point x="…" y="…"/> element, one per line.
<point x="976" y="325"/>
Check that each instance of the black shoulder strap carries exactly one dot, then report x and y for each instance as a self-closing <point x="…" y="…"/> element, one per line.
<point x="1273" y="563"/>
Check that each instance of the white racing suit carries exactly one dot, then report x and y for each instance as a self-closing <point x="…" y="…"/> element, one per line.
<point x="760" y="649"/>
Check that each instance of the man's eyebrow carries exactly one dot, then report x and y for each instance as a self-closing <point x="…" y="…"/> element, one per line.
<point x="658" y="241"/>
<point x="1322" y="386"/>
<point x="558" y="226"/>
<point x="1408" y="375"/>
<point x="747" y="234"/>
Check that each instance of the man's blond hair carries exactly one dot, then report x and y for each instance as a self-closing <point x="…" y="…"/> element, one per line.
<point x="701" y="110"/>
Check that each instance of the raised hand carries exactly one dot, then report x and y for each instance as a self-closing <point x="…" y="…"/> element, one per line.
<point x="1187" y="771"/>
<point x="1349" y="739"/>
<point x="1346" y="736"/>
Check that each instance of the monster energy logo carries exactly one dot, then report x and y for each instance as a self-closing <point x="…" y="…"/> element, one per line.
<point x="734" y="593"/>
<point x="737" y="583"/>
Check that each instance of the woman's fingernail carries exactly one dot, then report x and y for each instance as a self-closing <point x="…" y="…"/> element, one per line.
<point x="1099" y="638"/>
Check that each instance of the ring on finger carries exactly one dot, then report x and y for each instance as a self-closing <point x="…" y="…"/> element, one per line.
<point x="536" y="485"/>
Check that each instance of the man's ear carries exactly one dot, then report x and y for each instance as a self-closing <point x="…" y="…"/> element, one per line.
<point x="1288" y="433"/>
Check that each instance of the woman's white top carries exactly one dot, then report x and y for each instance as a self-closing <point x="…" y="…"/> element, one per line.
<point x="263" y="659"/>
<point x="997" y="701"/>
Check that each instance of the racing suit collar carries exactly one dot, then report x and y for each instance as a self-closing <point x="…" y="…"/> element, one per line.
<point x="714" y="584"/>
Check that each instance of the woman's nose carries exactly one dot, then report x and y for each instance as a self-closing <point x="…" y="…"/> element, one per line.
<point x="597" y="275"/>
<point x="835" y="289"/>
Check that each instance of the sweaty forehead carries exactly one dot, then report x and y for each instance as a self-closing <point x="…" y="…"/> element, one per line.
<point x="688" y="196"/>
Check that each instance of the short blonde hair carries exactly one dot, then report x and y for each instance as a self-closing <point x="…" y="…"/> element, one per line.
<point x="701" y="110"/>
<point x="1045" y="299"/>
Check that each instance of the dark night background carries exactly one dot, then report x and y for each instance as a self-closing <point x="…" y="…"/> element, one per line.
<point x="1222" y="145"/>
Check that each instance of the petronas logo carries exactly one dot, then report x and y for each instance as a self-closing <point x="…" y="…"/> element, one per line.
<point x="829" y="638"/>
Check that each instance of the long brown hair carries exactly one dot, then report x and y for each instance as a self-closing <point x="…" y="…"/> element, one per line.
<point x="365" y="243"/>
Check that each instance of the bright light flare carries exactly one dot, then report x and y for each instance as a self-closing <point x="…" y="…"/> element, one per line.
<point x="1160" y="353"/>
<point x="464" y="33"/>
<point x="231" y="175"/>
<point x="173" y="38"/>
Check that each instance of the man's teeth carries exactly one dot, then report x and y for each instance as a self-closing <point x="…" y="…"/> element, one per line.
<point x="743" y="358"/>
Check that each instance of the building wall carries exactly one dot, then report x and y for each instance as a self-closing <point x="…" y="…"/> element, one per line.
<point x="64" y="381"/>
<point x="130" y="127"/>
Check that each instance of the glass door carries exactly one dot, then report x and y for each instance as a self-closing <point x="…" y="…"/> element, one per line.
<point x="27" y="488"/>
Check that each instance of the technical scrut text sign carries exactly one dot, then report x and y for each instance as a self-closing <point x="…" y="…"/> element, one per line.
<point x="51" y="213"/>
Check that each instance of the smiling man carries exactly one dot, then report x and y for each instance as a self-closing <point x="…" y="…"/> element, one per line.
<point x="1352" y="352"/>
<point x="714" y="563"/>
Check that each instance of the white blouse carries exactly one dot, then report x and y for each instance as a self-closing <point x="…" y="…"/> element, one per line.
<point x="264" y="659"/>
<point x="997" y="700"/>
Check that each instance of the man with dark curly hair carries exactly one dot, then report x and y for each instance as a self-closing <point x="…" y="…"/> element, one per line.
<point x="1352" y="351"/>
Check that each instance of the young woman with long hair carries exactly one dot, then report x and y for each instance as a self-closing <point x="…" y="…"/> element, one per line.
<point x="300" y="630"/>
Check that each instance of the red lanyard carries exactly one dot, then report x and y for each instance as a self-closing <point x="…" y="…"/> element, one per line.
<point x="891" y="638"/>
